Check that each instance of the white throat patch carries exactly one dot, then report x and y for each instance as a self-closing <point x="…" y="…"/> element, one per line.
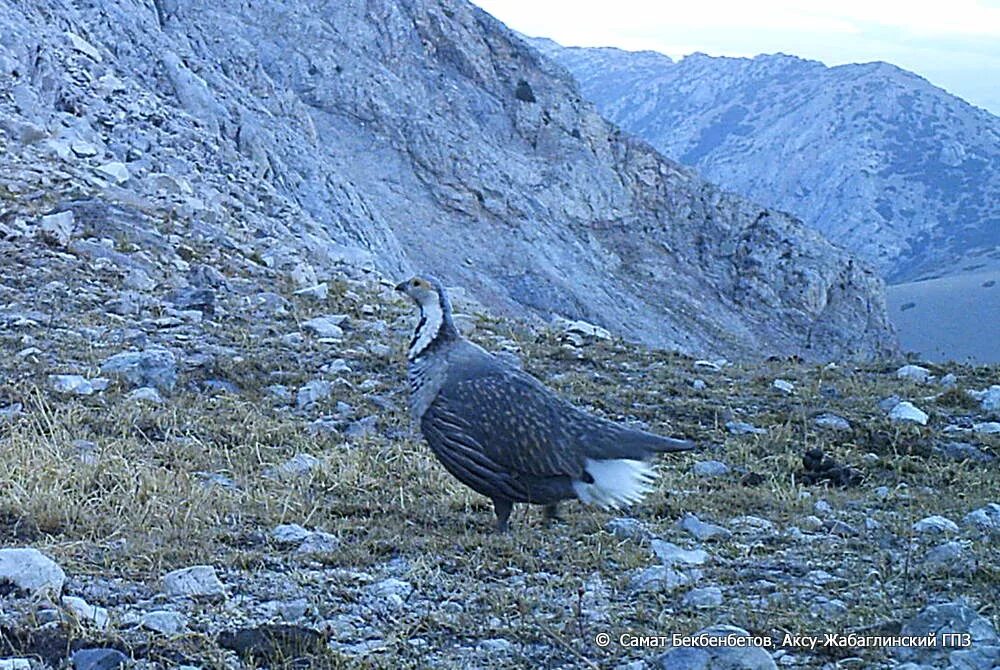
<point x="431" y="320"/>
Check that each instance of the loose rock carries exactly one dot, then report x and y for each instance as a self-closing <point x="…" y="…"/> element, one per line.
<point x="84" y="611"/>
<point x="935" y="524"/>
<point x="832" y="421"/>
<point x="744" y="428"/>
<point x="660" y="579"/>
<point x="953" y="617"/>
<point x="628" y="528"/>
<point x="784" y="386"/>
<point x="908" y="412"/>
<point x="196" y="581"/>
<point x="151" y="367"/>
<point x="705" y="598"/>
<point x="948" y="558"/>
<point x="701" y="530"/>
<point x="914" y="373"/>
<point x="986" y="518"/>
<point x="312" y="392"/>
<point x="98" y="659"/>
<point x="165" y="622"/>
<point x="327" y="327"/>
<point x="671" y="554"/>
<point x="30" y="570"/>
<point x="319" y="543"/>
<point x="710" y="469"/>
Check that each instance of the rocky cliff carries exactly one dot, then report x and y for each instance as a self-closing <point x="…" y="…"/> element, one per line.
<point x="874" y="157"/>
<point x="398" y="135"/>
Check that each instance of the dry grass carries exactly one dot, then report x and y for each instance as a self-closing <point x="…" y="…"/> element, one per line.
<point x="143" y="505"/>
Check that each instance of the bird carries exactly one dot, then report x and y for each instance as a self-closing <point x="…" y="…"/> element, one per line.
<point x="504" y="434"/>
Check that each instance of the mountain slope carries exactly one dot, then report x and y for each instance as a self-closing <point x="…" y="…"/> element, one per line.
<point x="413" y="135"/>
<point x="947" y="318"/>
<point x="875" y="157"/>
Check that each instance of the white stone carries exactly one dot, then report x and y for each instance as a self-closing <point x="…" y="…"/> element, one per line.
<point x="84" y="47"/>
<point x="296" y="466"/>
<point x="15" y="664"/>
<point x="71" y="384"/>
<point x="985" y="518"/>
<point x="495" y="645"/>
<point x="986" y="428"/>
<point x="289" y="533"/>
<point x="784" y="386"/>
<point x="169" y="183"/>
<point x="935" y="524"/>
<point x="913" y="373"/>
<point x="628" y="528"/>
<point x="832" y="421"/>
<point x="661" y="578"/>
<point x="319" y="291"/>
<point x="198" y="580"/>
<point x="319" y="543"/>
<point x="146" y="394"/>
<point x="744" y="428"/>
<point x="116" y="170"/>
<point x="326" y="326"/>
<point x="30" y="570"/>
<point x="702" y="530"/>
<point x="58" y="227"/>
<point x="907" y="411"/>
<point x="312" y="392"/>
<point x="583" y="328"/>
<point x="671" y="554"/>
<point x="710" y="469"/>
<point x="391" y="590"/>
<point x="83" y="149"/>
<point x="990" y="399"/>
<point x="303" y="274"/>
<point x="84" y="611"/>
<point x="165" y="622"/>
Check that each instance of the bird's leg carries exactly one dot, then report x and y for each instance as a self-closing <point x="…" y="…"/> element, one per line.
<point x="502" y="508"/>
<point x="551" y="513"/>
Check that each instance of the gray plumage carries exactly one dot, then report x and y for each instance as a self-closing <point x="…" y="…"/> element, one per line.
<point x="501" y="432"/>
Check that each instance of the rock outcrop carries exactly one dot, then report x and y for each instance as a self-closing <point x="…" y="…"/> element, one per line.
<point x="401" y="136"/>
<point x="874" y="157"/>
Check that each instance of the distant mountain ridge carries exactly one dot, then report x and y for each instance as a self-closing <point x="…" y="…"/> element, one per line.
<point x="408" y="135"/>
<point x="874" y="157"/>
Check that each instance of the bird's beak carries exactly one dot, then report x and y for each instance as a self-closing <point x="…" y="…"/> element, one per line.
<point x="401" y="286"/>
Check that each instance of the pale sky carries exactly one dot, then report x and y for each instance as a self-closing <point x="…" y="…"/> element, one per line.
<point x="955" y="44"/>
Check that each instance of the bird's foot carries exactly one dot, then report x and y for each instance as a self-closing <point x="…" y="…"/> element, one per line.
<point x="551" y="514"/>
<point x="502" y="509"/>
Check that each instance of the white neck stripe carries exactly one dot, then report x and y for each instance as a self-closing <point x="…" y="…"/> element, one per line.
<point x="430" y="325"/>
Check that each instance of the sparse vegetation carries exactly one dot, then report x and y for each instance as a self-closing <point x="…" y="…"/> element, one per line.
<point x="146" y="497"/>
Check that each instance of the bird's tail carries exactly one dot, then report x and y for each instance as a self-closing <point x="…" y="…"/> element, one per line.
<point x="615" y="482"/>
<point x="666" y="444"/>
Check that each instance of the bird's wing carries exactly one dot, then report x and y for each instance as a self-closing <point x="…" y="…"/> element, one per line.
<point x="511" y="420"/>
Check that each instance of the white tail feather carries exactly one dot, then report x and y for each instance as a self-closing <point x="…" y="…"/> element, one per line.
<point x="617" y="482"/>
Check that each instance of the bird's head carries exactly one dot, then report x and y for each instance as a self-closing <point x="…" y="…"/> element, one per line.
<point x="435" y="312"/>
<point x="425" y="291"/>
